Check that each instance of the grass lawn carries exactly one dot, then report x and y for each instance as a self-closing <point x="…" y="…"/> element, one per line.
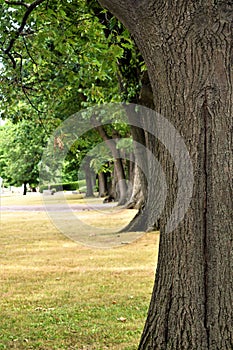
<point x="58" y="294"/>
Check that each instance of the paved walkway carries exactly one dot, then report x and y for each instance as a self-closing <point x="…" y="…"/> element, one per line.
<point x="57" y="207"/>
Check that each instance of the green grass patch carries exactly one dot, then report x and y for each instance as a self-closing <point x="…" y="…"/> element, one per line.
<point x="57" y="294"/>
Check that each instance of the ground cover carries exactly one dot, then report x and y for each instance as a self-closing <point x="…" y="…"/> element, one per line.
<point x="58" y="294"/>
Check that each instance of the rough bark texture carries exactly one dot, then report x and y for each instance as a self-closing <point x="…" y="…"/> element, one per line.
<point x="188" y="51"/>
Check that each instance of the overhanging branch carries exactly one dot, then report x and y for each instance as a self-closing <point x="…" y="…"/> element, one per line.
<point x="17" y="3"/>
<point x="30" y="8"/>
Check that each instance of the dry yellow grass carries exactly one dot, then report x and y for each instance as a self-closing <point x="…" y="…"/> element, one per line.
<point x="58" y="294"/>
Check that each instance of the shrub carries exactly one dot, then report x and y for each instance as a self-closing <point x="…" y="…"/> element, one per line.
<point x="71" y="186"/>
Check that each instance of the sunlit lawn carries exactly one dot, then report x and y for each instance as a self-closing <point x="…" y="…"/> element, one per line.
<point x="59" y="294"/>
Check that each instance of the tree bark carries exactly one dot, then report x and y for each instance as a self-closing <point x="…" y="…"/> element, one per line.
<point x="188" y="51"/>
<point x="139" y="191"/>
<point x="140" y="138"/>
<point x="88" y="177"/>
<point x="120" y="182"/>
<point x="102" y="180"/>
<point x="118" y="165"/>
<point x="24" y="188"/>
<point x="136" y="199"/>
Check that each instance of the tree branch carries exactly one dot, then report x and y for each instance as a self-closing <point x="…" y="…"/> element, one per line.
<point x="28" y="52"/>
<point x="37" y="110"/>
<point x="30" y="102"/>
<point x="29" y="10"/>
<point x="110" y="142"/>
<point x="17" y="3"/>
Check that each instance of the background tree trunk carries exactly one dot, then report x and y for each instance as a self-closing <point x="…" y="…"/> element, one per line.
<point x="140" y="138"/>
<point x="102" y="181"/>
<point x="136" y="199"/>
<point x="121" y="181"/>
<point x="24" y="188"/>
<point x="118" y="165"/>
<point x="89" y="178"/>
<point x="187" y="48"/>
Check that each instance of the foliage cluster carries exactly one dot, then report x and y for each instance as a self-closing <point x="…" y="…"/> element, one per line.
<point x="63" y="57"/>
<point x="21" y="147"/>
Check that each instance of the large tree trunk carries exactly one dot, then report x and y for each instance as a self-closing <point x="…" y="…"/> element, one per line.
<point x="187" y="48"/>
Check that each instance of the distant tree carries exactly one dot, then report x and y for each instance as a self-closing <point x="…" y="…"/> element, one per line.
<point x="21" y="147"/>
